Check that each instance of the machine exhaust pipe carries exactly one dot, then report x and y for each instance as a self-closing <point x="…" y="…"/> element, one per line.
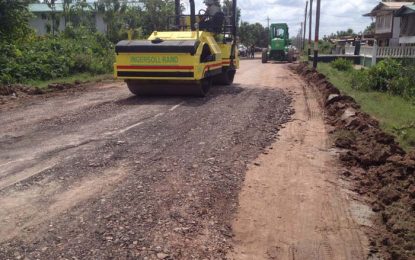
<point x="192" y="15"/>
<point x="178" y="12"/>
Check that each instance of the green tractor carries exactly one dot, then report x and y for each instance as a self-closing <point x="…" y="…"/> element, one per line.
<point x="279" y="44"/>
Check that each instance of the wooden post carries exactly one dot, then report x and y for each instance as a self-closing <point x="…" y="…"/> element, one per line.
<point x="299" y="40"/>
<point x="305" y="24"/>
<point x="310" y="26"/>
<point x="316" y="38"/>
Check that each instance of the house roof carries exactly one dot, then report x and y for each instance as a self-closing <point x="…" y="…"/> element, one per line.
<point x="387" y="7"/>
<point x="44" y="8"/>
<point x="405" y="10"/>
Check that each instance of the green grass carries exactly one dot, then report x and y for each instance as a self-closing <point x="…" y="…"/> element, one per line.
<point x="82" y="77"/>
<point x="395" y="114"/>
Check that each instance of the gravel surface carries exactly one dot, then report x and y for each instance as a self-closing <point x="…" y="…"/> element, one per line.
<point x="101" y="174"/>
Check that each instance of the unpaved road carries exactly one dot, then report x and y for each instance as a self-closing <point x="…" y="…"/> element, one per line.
<point x="294" y="205"/>
<point x="101" y="174"/>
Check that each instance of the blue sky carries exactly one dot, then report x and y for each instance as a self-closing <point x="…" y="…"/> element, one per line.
<point x="336" y="14"/>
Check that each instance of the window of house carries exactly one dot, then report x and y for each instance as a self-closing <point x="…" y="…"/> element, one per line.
<point x="43" y="16"/>
<point x="384" y="22"/>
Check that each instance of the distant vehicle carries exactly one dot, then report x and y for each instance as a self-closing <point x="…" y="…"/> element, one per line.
<point x="280" y="48"/>
<point x="258" y="49"/>
<point x="243" y="50"/>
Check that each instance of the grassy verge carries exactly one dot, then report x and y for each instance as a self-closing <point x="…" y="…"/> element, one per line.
<point x="396" y="114"/>
<point x="82" y="77"/>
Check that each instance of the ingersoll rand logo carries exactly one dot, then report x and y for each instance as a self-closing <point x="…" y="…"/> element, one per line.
<point x="154" y="60"/>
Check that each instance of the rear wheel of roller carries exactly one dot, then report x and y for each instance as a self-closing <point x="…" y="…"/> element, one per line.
<point x="225" y="78"/>
<point x="205" y="85"/>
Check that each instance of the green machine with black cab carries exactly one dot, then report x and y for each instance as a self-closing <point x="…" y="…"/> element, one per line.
<point x="279" y="48"/>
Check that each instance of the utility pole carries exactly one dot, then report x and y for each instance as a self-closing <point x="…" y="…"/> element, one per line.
<point x="316" y="34"/>
<point x="310" y="23"/>
<point x="300" y="35"/>
<point x="305" y="24"/>
<point x="269" y="31"/>
<point x="268" y="20"/>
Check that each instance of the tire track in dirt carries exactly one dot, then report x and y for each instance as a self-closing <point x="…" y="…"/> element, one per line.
<point x="292" y="205"/>
<point x="181" y="173"/>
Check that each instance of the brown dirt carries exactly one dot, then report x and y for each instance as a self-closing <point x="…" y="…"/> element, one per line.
<point x="377" y="165"/>
<point x="293" y="205"/>
<point x="96" y="173"/>
<point x="100" y="174"/>
<point x="15" y="95"/>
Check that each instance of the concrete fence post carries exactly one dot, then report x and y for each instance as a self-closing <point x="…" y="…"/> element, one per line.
<point x="374" y="53"/>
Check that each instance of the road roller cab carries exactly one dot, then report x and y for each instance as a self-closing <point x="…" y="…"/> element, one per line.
<point x="185" y="61"/>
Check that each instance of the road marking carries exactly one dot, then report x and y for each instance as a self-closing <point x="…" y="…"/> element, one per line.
<point x="154" y="117"/>
<point x="130" y="127"/>
<point x="20" y="160"/>
<point x="176" y="106"/>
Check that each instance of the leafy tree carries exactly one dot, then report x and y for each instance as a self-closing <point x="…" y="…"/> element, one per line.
<point x="250" y="34"/>
<point x="113" y="11"/>
<point x="80" y="14"/>
<point x="53" y="17"/>
<point x="14" y="18"/>
<point x="227" y="10"/>
<point x="370" y="29"/>
<point x="156" y="14"/>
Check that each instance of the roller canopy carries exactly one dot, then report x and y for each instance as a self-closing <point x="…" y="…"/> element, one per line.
<point x="145" y="46"/>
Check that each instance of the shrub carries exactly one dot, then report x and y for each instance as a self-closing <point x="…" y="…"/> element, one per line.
<point x="342" y="64"/>
<point x="386" y="76"/>
<point x="359" y="80"/>
<point x="48" y="58"/>
<point x="381" y="75"/>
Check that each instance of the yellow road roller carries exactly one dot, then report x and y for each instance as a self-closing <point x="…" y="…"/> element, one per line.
<point x="198" y="51"/>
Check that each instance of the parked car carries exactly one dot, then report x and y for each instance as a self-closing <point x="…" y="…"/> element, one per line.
<point x="243" y="50"/>
<point x="258" y="49"/>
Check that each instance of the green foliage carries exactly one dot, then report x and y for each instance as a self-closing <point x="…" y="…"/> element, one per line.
<point x="155" y="15"/>
<point x="387" y="76"/>
<point x="14" y="17"/>
<point x="342" y="64"/>
<point x="404" y="84"/>
<point x="359" y="80"/>
<point x="381" y="74"/>
<point x="121" y="17"/>
<point x="395" y="113"/>
<point x="54" y="57"/>
<point x="325" y="47"/>
<point x="341" y="34"/>
<point x="370" y="29"/>
<point x="253" y="34"/>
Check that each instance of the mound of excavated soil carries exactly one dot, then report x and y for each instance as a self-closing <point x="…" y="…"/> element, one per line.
<point x="21" y="92"/>
<point x="377" y="164"/>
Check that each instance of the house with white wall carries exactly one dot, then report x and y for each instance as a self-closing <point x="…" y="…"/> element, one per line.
<point x="41" y="19"/>
<point x="388" y="24"/>
<point x="407" y="15"/>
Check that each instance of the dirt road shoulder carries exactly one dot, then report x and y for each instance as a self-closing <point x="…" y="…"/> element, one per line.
<point x="293" y="204"/>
